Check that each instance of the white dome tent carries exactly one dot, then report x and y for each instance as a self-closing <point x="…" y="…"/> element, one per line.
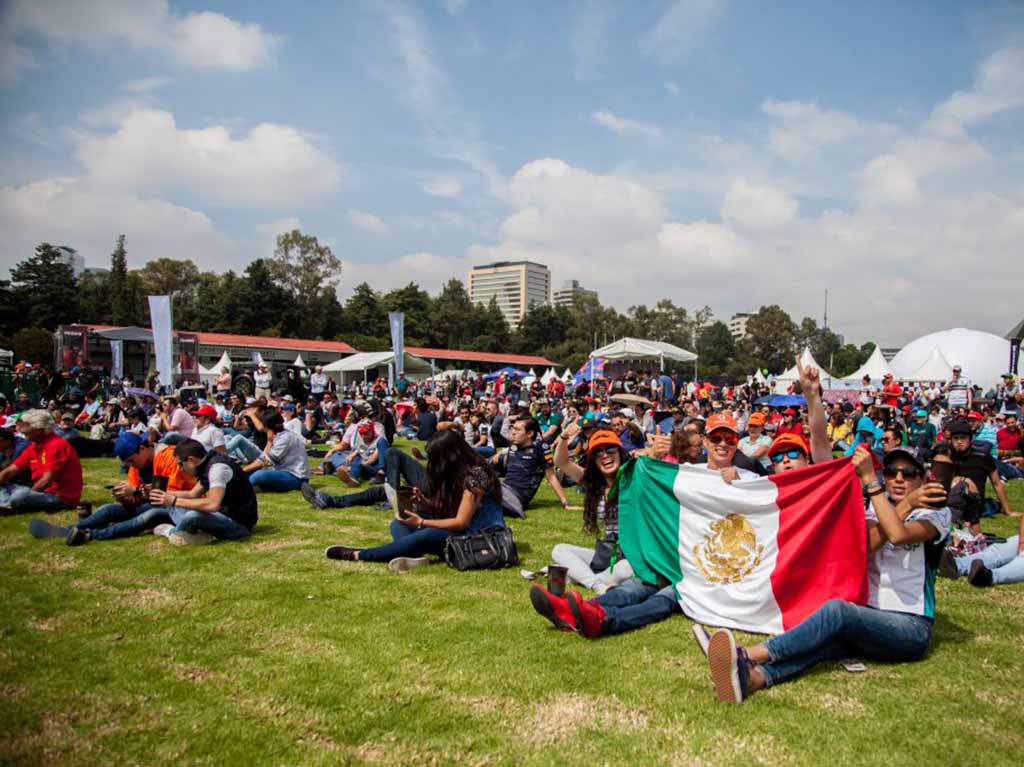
<point x="876" y="367"/>
<point x="982" y="356"/>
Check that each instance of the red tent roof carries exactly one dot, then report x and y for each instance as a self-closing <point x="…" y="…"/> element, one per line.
<point x="464" y="356"/>
<point x="259" y="342"/>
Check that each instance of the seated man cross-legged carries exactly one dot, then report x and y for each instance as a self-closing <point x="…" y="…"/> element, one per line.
<point x="54" y="467"/>
<point x="284" y="464"/>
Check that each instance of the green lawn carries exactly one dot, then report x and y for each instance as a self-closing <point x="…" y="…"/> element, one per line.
<point x="266" y="653"/>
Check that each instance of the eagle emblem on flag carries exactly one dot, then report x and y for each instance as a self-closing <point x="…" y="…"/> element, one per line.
<point x="730" y="551"/>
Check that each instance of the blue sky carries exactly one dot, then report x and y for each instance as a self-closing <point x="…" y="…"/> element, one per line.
<point x="711" y="151"/>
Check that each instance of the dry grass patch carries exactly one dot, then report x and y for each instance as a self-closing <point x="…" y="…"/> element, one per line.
<point x="147" y="599"/>
<point x="839" y="704"/>
<point x="51" y="562"/>
<point x="45" y="624"/>
<point x="563" y="717"/>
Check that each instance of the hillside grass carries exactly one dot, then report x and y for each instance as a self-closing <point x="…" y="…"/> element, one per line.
<point x="266" y="653"/>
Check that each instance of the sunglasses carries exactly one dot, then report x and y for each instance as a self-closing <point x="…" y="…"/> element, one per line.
<point x="606" y="450"/>
<point x="907" y="473"/>
<point x="728" y="438"/>
<point x="790" y="454"/>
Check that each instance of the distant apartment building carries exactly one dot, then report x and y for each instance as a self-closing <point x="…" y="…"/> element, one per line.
<point x="70" y="257"/>
<point x="517" y="285"/>
<point x="570" y="293"/>
<point x="738" y="325"/>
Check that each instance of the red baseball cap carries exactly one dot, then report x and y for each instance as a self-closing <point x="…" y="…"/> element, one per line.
<point x="206" y="411"/>
<point x="789" y="411"/>
<point x="721" y="421"/>
<point x="974" y="415"/>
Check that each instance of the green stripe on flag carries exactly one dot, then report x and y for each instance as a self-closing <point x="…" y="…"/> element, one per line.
<point x="649" y="519"/>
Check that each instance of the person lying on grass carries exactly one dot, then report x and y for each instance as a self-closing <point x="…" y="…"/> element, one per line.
<point x="132" y="513"/>
<point x="907" y="524"/>
<point x="602" y="567"/>
<point x="461" y="493"/>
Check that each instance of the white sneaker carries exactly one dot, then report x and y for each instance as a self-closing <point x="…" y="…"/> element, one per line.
<point x="164" y="530"/>
<point x="190" y="539"/>
<point x="405" y="564"/>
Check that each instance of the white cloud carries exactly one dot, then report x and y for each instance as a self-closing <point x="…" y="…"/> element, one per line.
<point x="367" y="222"/>
<point x="681" y="28"/>
<point x="443" y="186"/>
<point x="672" y="88"/>
<point x="146" y="84"/>
<point x="68" y="212"/>
<point x="204" y="40"/>
<point x="588" y="37"/>
<point x="998" y="87"/>
<point x="758" y="207"/>
<point x="266" y="242"/>
<point x="270" y="164"/>
<point x="455" y="7"/>
<point x="802" y="128"/>
<point x="624" y="126"/>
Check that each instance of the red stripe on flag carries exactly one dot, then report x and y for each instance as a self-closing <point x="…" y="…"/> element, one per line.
<point x="822" y="540"/>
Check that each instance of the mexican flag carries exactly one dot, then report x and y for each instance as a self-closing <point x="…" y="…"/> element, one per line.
<point x="759" y="554"/>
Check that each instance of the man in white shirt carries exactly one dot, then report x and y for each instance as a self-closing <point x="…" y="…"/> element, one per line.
<point x="291" y="423"/>
<point x="262" y="379"/>
<point x="206" y="432"/>
<point x="318" y="382"/>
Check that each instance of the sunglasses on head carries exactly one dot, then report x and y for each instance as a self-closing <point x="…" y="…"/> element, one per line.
<point x="719" y="437"/>
<point x="790" y="454"/>
<point x="908" y="473"/>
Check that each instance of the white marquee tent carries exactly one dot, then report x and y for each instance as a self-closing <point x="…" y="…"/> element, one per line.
<point x="298" y="362"/>
<point x="567" y="376"/>
<point x="935" y="368"/>
<point x="639" y="349"/>
<point x="982" y="356"/>
<point x="548" y="376"/>
<point x="876" y="367"/>
<point x="358" y="365"/>
<point x="807" y="359"/>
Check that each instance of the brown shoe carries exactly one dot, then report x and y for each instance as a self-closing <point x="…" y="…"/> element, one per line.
<point x="345" y="477"/>
<point x="418" y="454"/>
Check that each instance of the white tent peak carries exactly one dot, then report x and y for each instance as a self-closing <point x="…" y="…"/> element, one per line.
<point x="807" y="360"/>
<point x="548" y="376"/>
<point x="223" y="362"/>
<point x="298" y="362"/>
<point x="935" y="368"/>
<point x="876" y="367"/>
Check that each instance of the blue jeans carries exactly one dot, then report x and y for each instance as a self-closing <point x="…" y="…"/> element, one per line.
<point x="634" y="604"/>
<point x="1008" y="471"/>
<point x="407" y="542"/>
<point x="331" y="463"/>
<point x="844" y="630"/>
<point x="216" y="524"/>
<point x="112" y="520"/>
<point x="21" y="498"/>
<point x="274" y="480"/>
<point x="242" y="450"/>
<point x="361" y="470"/>
<point x="1003" y="559"/>
<point x="485" y="450"/>
<point x="397" y="466"/>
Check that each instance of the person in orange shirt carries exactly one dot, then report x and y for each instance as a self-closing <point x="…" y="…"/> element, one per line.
<point x="131" y="513"/>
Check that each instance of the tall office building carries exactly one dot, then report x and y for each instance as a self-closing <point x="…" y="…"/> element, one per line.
<point x="738" y="325"/>
<point x="571" y="292"/>
<point x="70" y="257"/>
<point x="516" y="285"/>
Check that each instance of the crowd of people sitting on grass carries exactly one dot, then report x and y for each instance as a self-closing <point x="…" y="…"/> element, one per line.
<point x="194" y="473"/>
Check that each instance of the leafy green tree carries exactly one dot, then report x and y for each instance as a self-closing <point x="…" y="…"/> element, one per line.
<point x="543" y="326"/>
<point x="34" y="345"/>
<point x="94" y="304"/>
<point x="365" y="316"/>
<point x="771" y="339"/>
<point x="491" y="330"/>
<point x="415" y="304"/>
<point x="168" y="276"/>
<point x="717" y="348"/>
<point x="308" y="271"/>
<point x="261" y="302"/>
<point x="450" y="317"/>
<point x="44" y="289"/>
<point x="118" y="287"/>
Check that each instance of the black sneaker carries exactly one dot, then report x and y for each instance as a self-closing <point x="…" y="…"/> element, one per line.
<point x="313" y="496"/>
<point x="947" y="565"/>
<point x="40" y="528"/>
<point x="377" y="480"/>
<point x="78" y="537"/>
<point x="980" y="575"/>
<point x="341" y="552"/>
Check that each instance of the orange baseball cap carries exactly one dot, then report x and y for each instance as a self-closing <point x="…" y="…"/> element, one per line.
<point x="787" y="441"/>
<point x="602" y="438"/>
<point x="721" y="421"/>
<point x="756" y="419"/>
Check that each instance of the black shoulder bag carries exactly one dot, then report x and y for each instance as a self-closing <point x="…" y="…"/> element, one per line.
<point x="490" y="549"/>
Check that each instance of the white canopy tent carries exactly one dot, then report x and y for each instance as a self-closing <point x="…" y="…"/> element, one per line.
<point x="567" y="376"/>
<point x="358" y="365"/>
<point x="447" y="375"/>
<point x="548" y="376"/>
<point x="223" y="362"/>
<point x="807" y="360"/>
<point x="759" y="377"/>
<point x="876" y="367"/>
<point x="640" y="349"/>
<point x="298" y="362"/>
<point x="935" y="368"/>
<point x="530" y="377"/>
<point x="208" y="375"/>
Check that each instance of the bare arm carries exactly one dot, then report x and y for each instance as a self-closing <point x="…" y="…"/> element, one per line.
<point x="810" y="378"/>
<point x="467" y="508"/>
<point x="891" y="525"/>
<point x="1000" y="490"/>
<point x="40" y="484"/>
<point x="209" y="503"/>
<point x="556" y="485"/>
<point x="561" y="455"/>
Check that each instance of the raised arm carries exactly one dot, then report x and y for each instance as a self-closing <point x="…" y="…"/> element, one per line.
<point x="810" y="381"/>
<point x="561" y="455"/>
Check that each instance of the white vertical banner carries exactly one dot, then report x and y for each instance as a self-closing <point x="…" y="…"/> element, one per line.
<point x="160" y="321"/>
<point x="397" y="322"/>
<point x="117" y="359"/>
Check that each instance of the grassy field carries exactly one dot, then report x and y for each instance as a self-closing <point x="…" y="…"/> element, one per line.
<point x="266" y="653"/>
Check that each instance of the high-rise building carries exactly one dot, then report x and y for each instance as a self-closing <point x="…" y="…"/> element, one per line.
<point x="517" y="285"/>
<point x="738" y="325"/>
<point x="70" y="257"/>
<point x="570" y="293"/>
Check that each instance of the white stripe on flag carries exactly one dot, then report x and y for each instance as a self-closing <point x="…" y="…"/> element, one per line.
<point x="727" y="549"/>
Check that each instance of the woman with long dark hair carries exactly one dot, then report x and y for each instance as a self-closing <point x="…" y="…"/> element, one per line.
<point x="459" y="493"/>
<point x="601" y="567"/>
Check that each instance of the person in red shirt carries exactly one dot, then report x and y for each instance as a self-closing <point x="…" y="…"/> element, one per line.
<point x="1008" y="438"/>
<point x="892" y="391"/>
<point x="53" y="464"/>
<point x="789" y="423"/>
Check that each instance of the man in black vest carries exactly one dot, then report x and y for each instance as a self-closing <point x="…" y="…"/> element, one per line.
<point x="221" y="505"/>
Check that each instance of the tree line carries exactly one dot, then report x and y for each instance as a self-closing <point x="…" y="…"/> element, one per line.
<point x="294" y="294"/>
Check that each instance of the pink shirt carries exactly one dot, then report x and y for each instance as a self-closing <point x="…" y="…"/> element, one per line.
<point x="181" y="422"/>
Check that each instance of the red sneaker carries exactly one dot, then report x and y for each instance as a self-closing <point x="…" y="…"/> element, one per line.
<point x="555" y="609"/>
<point x="589" y="615"/>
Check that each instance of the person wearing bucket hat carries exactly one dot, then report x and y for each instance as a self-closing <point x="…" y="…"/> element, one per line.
<point x="601" y="567"/>
<point x="922" y="433"/>
<point x="131" y="513"/>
